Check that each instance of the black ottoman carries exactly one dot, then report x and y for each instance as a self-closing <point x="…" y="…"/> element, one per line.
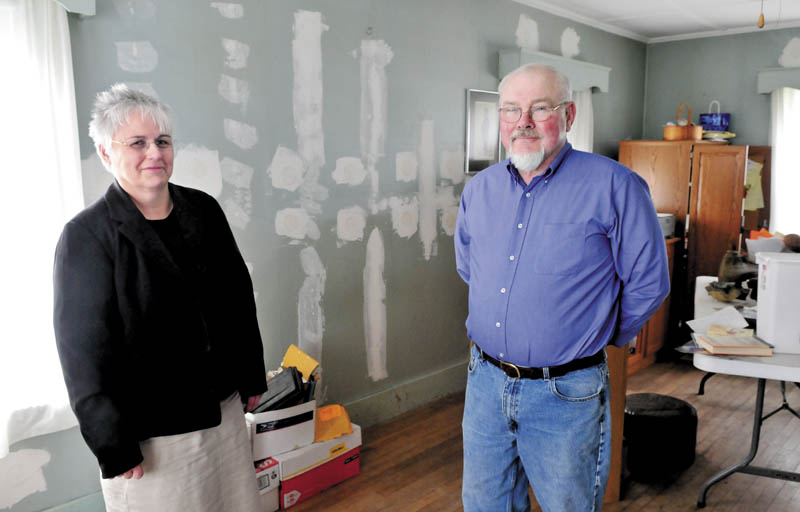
<point x="660" y="434"/>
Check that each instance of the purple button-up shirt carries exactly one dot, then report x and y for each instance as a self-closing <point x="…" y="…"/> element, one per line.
<point x="561" y="267"/>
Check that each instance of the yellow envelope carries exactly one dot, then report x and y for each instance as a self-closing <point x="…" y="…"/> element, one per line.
<point x="330" y="422"/>
<point x="304" y="363"/>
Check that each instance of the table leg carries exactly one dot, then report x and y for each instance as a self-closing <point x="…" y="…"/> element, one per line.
<point x="701" y="500"/>
<point x="702" y="388"/>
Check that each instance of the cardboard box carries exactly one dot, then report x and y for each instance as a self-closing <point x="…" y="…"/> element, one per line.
<point x="268" y="479"/>
<point x="316" y="480"/>
<point x="283" y="430"/>
<point x="304" y="459"/>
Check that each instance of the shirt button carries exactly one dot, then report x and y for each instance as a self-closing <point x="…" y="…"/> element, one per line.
<point x="528" y="194"/>
<point x="519" y="226"/>
<point x="545" y="181"/>
<point x="502" y="354"/>
<point x="497" y="324"/>
<point x="511" y="257"/>
<point x="502" y="290"/>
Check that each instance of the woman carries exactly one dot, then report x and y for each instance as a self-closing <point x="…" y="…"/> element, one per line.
<point x="156" y="326"/>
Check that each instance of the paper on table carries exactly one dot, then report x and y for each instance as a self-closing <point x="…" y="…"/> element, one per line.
<point x="726" y="316"/>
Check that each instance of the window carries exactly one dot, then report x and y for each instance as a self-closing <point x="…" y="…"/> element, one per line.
<point x="41" y="190"/>
<point x="785" y="132"/>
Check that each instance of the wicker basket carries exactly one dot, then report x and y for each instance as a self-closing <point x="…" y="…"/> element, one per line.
<point x="688" y="132"/>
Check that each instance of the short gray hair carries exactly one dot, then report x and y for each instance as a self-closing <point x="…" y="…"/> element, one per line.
<point x="561" y="79"/>
<point x="113" y="107"/>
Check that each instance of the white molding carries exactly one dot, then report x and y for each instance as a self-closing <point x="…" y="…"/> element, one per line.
<point x="582" y="75"/>
<point x="571" y="15"/>
<point x="86" y="7"/>
<point x="770" y="79"/>
<point x="720" y="33"/>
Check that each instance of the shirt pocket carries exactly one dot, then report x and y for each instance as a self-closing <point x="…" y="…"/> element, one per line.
<point x="559" y="249"/>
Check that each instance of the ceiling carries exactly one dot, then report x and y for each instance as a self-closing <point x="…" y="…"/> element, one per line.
<point x="655" y="21"/>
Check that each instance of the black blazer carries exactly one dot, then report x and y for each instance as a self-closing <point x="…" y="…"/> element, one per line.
<point x="148" y="349"/>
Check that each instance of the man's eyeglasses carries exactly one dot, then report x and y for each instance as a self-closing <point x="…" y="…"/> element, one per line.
<point x="161" y="144"/>
<point x="538" y="114"/>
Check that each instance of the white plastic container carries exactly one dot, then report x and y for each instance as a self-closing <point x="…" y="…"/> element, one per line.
<point x="778" y="316"/>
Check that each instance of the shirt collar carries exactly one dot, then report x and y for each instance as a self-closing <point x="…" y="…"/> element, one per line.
<point x="554" y="165"/>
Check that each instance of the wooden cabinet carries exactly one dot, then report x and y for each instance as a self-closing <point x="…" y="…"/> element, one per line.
<point x="702" y="184"/>
<point x="651" y="338"/>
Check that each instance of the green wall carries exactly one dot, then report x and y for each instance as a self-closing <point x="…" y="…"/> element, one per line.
<point x="724" y="68"/>
<point x="440" y="49"/>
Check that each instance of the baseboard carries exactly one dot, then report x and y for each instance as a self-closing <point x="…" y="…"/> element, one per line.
<point x="404" y="397"/>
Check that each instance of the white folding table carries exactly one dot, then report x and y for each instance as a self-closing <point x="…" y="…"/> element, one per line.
<point x="781" y="367"/>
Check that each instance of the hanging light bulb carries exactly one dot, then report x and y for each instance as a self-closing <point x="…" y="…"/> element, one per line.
<point x="761" y="16"/>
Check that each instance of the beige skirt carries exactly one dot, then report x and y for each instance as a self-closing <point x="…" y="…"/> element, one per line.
<point x="209" y="470"/>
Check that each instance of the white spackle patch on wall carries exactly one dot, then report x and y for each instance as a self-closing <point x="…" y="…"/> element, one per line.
<point x="427" y="191"/>
<point x="235" y="211"/>
<point x="375" y="56"/>
<point x="286" y="169"/>
<point x="145" y="87"/>
<point x="22" y="475"/>
<point x="790" y="57"/>
<point x="307" y="92"/>
<point x="375" y="307"/>
<point x="141" y="9"/>
<point x="405" y="215"/>
<point x="136" y="56"/>
<point x="447" y="202"/>
<point x="198" y="167"/>
<point x="310" y="318"/>
<point x="350" y="224"/>
<point x="449" y="218"/>
<point x="234" y="90"/>
<point x="527" y="33"/>
<point x="451" y="165"/>
<point x="242" y="134"/>
<point x="236" y="53"/>
<point x="239" y="207"/>
<point x="349" y="171"/>
<point x="295" y="223"/>
<point x="307" y="105"/>
<point x="228" y="10"/>
<point x="570" y="43"/>
<point x="236" y="173"/>
<point x="405" y="166"/>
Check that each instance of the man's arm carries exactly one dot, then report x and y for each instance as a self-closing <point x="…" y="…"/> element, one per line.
<point x="461" y="241"/>
<point x="640" y="257"/>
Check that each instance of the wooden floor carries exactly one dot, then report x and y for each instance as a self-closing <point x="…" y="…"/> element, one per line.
<point x="414" y="462"/>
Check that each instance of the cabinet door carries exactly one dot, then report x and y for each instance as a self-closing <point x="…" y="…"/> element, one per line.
<point x="715" y="212"/>
<point x="665" y="166"/>
<point x="757" y="219"/>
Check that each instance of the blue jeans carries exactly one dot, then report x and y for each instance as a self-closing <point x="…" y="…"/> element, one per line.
<point x="554" y="433"/>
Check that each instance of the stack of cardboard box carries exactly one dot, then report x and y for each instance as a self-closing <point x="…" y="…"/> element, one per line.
<point x="300" y="451"/>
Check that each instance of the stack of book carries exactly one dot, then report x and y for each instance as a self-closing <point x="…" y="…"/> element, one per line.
<point x="733" y="345"/>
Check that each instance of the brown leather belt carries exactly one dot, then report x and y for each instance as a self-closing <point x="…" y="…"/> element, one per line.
<point x="526" y="372"/>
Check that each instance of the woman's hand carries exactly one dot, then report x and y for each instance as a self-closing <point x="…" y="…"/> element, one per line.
<point x="136" y="473"/>
<point x="252" y="402"/>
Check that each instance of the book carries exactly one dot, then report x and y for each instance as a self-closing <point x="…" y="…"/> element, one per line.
<point x="734" y="345"/>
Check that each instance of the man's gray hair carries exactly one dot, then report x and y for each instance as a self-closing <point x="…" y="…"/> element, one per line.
<point x="561" y="79"/>
<point x="113" y="108"/>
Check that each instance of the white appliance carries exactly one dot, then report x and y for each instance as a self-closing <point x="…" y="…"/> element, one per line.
<point x="667" y="221"/>
<point x="778" y="313"/>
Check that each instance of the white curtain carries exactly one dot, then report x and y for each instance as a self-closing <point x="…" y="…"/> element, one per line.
<point x="784" y="134"/>
<point x="41" y="191"/>
<point x="581" y="136"/>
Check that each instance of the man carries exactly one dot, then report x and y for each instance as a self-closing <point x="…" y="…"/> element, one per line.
<point x="563" y="255"/>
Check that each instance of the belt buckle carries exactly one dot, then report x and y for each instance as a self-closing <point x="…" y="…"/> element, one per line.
<point x="504" y="364"/>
